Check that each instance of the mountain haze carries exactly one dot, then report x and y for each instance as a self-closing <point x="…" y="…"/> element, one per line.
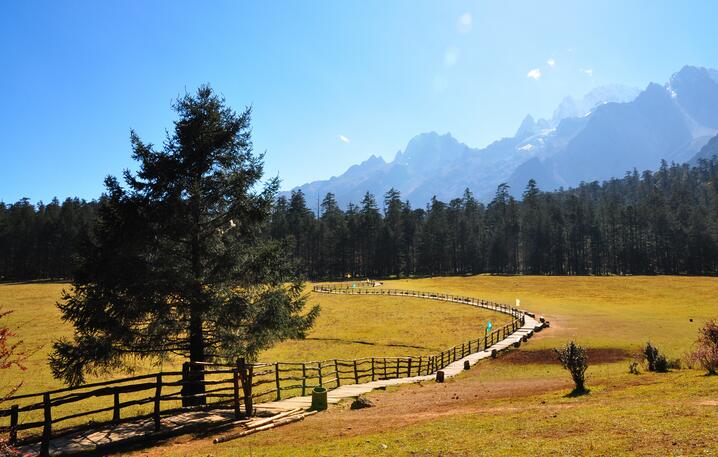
<point x="611" y="130"/>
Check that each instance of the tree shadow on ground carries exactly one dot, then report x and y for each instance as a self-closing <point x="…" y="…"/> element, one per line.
<point x="370" y="343"/>
<point x="577" y="393"/>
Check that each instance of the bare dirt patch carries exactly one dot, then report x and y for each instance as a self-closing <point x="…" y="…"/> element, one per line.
<point x="548" y="356"/>
<point x="398" y="408"/>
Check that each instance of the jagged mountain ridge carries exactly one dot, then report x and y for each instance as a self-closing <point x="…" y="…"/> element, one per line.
<point x="609" y="131"/>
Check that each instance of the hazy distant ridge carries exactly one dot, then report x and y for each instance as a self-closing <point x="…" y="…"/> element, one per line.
<point x="609" y="131"/>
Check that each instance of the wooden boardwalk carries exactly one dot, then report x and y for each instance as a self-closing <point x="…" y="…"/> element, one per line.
<point x="107" y="437"/>
<point x="354" y="390"/>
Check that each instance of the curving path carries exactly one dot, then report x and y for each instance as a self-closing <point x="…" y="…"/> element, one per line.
<point x="108" y="437"/>
<point x="354" y="390"/>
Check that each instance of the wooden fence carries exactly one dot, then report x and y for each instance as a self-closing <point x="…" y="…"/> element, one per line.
<point x="235" y="386"/>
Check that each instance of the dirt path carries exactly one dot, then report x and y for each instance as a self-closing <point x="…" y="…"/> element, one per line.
<point x="107" y="437"/>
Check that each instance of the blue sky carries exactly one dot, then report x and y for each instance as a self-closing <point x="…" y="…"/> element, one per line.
<point x="331" y="83"/>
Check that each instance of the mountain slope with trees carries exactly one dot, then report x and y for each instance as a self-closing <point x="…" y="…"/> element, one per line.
<point x="663" y="222"/>
<point x="610" y="130"/>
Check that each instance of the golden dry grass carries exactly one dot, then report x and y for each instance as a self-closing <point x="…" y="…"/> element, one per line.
<point x="347" y="328"/>
<point x="515" y="404"/>
<point x="518" y="405"/>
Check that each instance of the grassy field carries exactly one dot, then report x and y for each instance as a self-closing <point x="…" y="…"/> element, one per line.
<point x="516" y="404"/>
<point x="347" y="328"/>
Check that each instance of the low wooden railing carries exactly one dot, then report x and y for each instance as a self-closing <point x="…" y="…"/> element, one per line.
<point x="353" y="289"/>
<point x="235" y="386"/>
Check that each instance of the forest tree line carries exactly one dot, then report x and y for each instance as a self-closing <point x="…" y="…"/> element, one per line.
<point x="662" y="222"/>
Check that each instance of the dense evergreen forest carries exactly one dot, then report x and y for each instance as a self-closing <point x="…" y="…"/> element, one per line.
<point x="663" y="222"/>
<point x="40" y="241"/>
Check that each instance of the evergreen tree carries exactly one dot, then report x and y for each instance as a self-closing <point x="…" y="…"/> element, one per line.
<point x="302" y="228"/>
<point x="333" y="238"/>
<point x="370" y="223"/>
<point x="392" y="248"/>
<point x="177" y="264"/>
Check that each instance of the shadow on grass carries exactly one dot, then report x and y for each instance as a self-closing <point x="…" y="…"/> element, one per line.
<point x="577" y="393"/>
<point x="20" y="282"/>
<point x="370" y="343"/>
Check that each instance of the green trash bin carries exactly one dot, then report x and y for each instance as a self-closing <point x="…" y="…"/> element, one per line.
<point x="319" y="399"/>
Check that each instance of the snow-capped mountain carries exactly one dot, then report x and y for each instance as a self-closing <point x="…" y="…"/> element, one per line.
<point x="611" y="130"/>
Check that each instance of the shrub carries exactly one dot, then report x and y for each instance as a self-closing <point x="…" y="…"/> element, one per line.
<point x="705" y="353"/>
<point x="633" y="368"/>
<point x="655" y="361"/>
<point x="574" y="359"/>
<point x="9" y="356"/>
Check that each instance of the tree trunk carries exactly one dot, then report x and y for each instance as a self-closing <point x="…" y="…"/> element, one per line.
<point x="194" y="375"/>
<point x="194" y="382"/>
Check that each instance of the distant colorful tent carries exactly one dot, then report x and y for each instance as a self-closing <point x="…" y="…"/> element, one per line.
<point x="489" y="326"/>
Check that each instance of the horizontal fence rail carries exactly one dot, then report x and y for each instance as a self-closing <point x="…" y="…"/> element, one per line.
<point x="237" y="386"/>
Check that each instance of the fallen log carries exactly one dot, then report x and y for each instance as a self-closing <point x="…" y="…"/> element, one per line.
<point x="278" y="423"/>
<point x="268" y="420"/>
<point x="221" y="427"/>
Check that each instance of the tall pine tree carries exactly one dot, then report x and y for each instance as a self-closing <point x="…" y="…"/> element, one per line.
<point x="177" y="264"/>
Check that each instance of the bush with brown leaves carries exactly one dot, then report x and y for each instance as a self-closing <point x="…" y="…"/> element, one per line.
<point x="705" y="353"/>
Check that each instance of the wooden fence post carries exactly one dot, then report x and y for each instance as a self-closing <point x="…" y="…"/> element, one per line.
<point x="373" y="373"/>
<point x="246" y="372"/>
<point x="336" y="370"/>
<point x="158" y="393"/>
<point x="276" y="377"/>
<point x="47" y="426"/>
<point x="418" y="369"/>
<point x="116" y="408"/>
<point x="356" y="373"/>
<point x="319" y="369"/>
<point x="185" y="380"/>
<point x="304" y="379"/>
<point x="408" y="368"/>
<point x="235" y="399"/>
<point x="14" y="415"/>
<point x="385" y="374"/>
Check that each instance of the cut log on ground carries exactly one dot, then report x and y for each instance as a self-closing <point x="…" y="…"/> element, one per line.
<point x="285" y="418"/>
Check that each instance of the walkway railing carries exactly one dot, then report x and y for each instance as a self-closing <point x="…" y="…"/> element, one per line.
<point x="235" y="386"/>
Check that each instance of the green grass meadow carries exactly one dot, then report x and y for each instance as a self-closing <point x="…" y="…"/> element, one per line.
<point x="517" y="403"/>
